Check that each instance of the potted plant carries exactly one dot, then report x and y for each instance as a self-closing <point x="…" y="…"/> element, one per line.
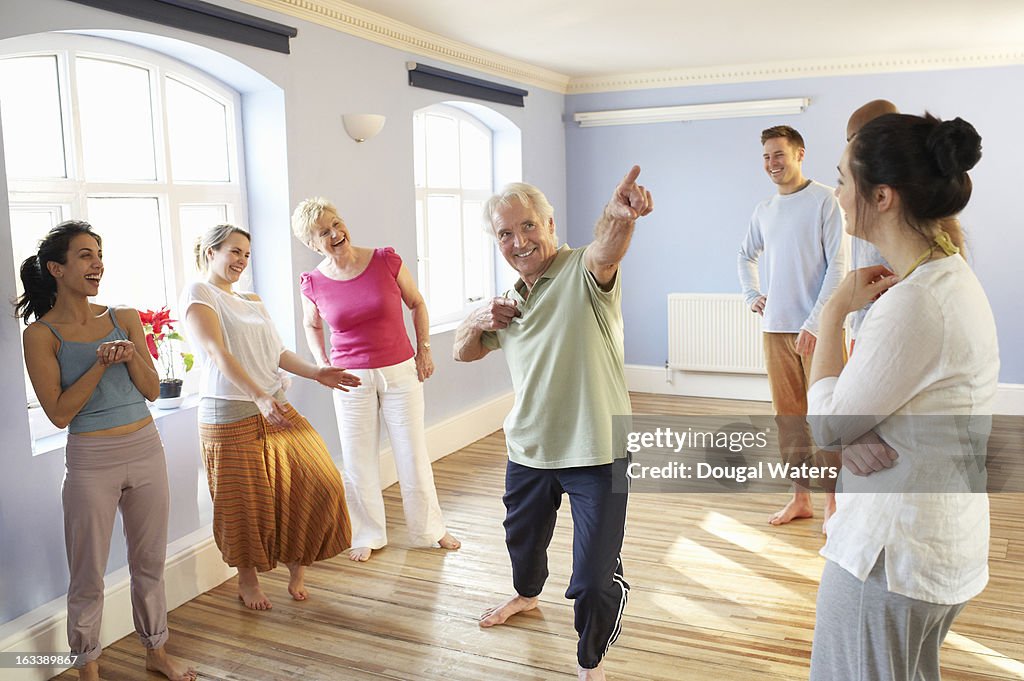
<point x="160" y="337"/>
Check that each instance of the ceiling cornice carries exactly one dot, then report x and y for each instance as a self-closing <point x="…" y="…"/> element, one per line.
<point x="363" y="23"/>
<point x="745" y="73"/>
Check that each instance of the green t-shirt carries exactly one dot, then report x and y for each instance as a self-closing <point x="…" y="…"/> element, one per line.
<point x="566" y="358"/>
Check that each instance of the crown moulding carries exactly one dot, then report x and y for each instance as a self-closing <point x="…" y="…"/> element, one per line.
<point x="362" y="23"/>
<point x="377" y="28"/>
<point x="821" y="68"/>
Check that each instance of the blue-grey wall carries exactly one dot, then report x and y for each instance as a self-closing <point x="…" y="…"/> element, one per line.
<point x="292" y="107"/>
<point x="706" y="177"/>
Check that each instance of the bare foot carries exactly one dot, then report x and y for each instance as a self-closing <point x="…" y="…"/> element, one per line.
<point x="360" y="555"/>
<point x="90" y="672"/>
<point x="830" y="509"/>
<point x="296" y="581"/>
<point x="157" y="660"/>
<point x="798" y="507"/>
<point x="595" y="674"/>
<point x="498" y="614"/>
<point x="249" y="591"/>
<point x="449" y="542"/>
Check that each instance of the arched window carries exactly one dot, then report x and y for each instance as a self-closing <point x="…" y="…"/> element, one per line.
<point x="454" y="171"/>
<point x="144" y="147"/>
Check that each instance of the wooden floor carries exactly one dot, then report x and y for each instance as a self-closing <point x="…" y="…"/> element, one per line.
<point x="716" y="594"/>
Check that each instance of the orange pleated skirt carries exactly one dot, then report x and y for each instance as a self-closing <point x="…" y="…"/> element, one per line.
<point x="277" y="495"/>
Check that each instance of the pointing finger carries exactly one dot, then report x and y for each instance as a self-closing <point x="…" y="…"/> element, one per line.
<point x="630" y="177"/>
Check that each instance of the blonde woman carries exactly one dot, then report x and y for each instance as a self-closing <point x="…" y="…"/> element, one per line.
<point x="360" y="292"/>
<point x="277" y="495"/>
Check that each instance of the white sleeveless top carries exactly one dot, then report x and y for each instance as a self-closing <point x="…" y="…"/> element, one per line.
<point x="249" y="335"/>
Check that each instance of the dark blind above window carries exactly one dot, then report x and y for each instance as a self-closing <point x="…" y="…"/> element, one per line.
<point x="202" y="17"/>
<point x="453" y="83"/>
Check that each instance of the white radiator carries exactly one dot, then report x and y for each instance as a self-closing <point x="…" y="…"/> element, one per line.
<point x="714" y="332"/>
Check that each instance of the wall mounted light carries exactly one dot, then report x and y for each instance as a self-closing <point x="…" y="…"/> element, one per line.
<point x="692" y="112"/>
<point x="362" y="127"/>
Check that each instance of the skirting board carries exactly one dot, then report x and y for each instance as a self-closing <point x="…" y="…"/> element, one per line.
<point x="662" y="381"/>
<point x="453" y="434"/>
<point x="194" y="564"/>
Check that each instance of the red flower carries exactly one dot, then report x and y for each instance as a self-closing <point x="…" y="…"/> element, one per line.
<point x="151" y="343"/>
<point x="154" y="324"/>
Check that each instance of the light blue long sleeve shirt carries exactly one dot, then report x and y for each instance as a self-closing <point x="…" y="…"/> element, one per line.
<point x="793" y="254"/>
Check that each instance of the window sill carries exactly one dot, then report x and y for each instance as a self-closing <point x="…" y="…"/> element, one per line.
<point x="444" y="327"/>
<point x="58" y="441"/>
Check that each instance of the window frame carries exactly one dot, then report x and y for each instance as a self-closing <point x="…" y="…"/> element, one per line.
<point x="73" y="191"/>
<point x="448" y="321"/>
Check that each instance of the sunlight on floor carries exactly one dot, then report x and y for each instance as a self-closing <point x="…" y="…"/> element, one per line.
<point x="992" y="657"/>
<point x="756" y="541"/>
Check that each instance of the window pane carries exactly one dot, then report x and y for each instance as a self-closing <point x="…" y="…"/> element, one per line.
<point x="29" y="224"/>
<point x="194" y="221"/>
<point x="442" y="151"/>
<point x="116" y="114"/>
<point x="476" y="158"/>
<point x="445" y="255"/>
<point x="421" y="252"/>
<point x="30" y="105"/>
<point x="198" y="134"/>
<point x="133" y="259"/>
<point x="477" y="246"/>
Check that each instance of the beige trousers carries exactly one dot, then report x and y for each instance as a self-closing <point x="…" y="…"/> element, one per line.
<point x="102" y="475"/>
<point x="789" y="378"/>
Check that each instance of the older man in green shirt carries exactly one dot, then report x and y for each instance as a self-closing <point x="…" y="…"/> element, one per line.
<point x="561" y="330"/>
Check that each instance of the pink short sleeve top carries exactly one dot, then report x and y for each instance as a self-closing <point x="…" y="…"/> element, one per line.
<point x="364" y="313"/>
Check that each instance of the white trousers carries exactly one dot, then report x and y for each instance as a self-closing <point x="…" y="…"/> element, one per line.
<point x="396" y="394"/>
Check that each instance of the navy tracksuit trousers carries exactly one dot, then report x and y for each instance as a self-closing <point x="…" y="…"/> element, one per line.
<point x="532" y="498"/>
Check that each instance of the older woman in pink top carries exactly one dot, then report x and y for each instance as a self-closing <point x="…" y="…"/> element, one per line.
<point x="359" y="293"/>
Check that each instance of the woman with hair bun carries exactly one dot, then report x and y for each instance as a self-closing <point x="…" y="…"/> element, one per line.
<point x="277" y="495"/>
<point x="89" y="376"/>
<point x="908" y="545"/>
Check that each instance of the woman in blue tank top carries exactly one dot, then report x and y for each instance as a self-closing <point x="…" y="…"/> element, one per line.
<point x="89" y="376"/>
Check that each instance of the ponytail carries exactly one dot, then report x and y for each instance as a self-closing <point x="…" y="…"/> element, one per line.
<point x="40" y="287"/>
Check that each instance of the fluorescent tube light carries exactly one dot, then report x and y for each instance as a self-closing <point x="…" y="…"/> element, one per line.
<point x="692" y="112"/>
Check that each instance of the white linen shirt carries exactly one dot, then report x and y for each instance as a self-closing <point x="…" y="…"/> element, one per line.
<point x="794" y="247"/>
<point x="249" y="335"/>
<point x="927" y="349"/>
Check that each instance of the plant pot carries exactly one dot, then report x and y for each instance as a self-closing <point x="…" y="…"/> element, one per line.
<point x="170" y="388"/>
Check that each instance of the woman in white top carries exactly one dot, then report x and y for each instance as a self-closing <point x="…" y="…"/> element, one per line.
<point x="908" y="544"/>
<point x="277" y="495"/>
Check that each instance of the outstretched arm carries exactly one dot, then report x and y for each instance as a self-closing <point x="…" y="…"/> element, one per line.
<point x="614" y="228"/>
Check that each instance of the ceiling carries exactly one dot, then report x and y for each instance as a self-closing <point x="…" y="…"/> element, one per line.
<point x="601" y="38"/>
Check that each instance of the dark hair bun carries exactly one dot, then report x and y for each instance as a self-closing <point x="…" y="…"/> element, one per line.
<point x="955" y="145"/>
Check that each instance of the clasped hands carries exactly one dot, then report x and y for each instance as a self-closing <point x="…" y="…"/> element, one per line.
<point x="115" y="352"/>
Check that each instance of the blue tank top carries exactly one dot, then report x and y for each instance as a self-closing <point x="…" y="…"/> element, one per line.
<point x="116" y="401"/>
